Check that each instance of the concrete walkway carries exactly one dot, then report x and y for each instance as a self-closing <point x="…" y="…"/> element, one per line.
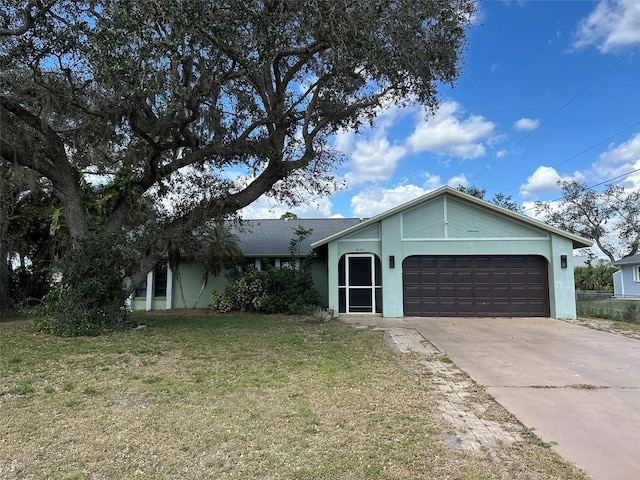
<point x="575" y="386"/>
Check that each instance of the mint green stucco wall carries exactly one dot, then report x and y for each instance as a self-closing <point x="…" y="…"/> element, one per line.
<point x="451" y="226"/>
<point x="191" y="281"/>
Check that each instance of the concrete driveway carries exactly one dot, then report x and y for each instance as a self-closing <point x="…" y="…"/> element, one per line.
<point x="575" y="386"/>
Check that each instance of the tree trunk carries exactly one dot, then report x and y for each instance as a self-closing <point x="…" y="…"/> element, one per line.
<point x="205" y="276"/>
<point x="5" y="297"/>
<point x="4" y="245"/>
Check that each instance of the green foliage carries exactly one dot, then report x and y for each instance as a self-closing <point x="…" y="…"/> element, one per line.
<point x="321" y="315"/>
<point x="220" y="302"/>
<point x="28" y="285"/>
<point x="87" y="298"/>
<point x="602" y="305"/>
<point x="247" y="292"/>
<point x="598" y="278"/>
<point x="273" y="290"/>
<point x="611" y="218"/>
<point x="500" y="199"/>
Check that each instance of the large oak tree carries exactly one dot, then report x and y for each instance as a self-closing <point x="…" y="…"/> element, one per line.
<point x="611" y="217"/>
<point x="158" y="116"/>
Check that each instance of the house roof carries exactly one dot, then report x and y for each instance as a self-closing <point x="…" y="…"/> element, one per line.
<point x="578" y="242"/>
<point x="272" y="237"/>
<point x="631" y="259"/>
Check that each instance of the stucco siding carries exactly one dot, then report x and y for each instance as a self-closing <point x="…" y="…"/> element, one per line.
<point x="465" y="221"/>
<point x="372" y="232"/>
<point x="424" y="221"/>
<point x="449" y="226"/>
<point x="189" y="284"/>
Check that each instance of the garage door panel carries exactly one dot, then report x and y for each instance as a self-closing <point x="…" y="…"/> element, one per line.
<point x="464" y="292"/>
<point x="469" y="285"/>
<point x="500" y="278"/>
<point x="428" y="278"/>
<point x="428" y="292"/>
<point x="428" y="262"/>
<point x="446" y="277"/>
<point x="516" y="277"/>
<point x="449" y="307"/>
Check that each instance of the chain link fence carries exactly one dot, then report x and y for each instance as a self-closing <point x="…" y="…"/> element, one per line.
<point x="605" y="305"/>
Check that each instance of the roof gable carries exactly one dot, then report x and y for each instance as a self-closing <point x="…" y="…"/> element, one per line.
<point x="485" y="210"/>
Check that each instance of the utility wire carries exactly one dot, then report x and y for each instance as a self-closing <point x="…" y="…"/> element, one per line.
<point x="581" y="153"/>
<point x="566" y="104"/>
<point x="587" y="188"/>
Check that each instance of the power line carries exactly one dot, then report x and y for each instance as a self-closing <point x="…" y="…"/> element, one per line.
<point x="582" y="152"/>
<point x="588" y="188"/>
<point x="565" y="105"/>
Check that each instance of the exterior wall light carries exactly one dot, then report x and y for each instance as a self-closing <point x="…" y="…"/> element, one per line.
<point x="563" y="261"/>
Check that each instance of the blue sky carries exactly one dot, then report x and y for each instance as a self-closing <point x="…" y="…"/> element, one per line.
<point x="549" y="90"/>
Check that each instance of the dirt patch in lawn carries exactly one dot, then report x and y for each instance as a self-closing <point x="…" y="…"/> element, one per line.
<point x="631" y="330"/>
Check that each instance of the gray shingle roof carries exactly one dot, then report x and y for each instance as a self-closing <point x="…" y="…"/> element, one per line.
<point x="628" y="260"/>
<point x="272" y="237"/>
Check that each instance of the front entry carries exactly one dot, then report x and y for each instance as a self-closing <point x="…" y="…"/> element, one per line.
<point x="359" y="283"/>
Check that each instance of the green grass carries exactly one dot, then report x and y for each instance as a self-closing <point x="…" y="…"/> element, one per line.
<point x="620" y="310"/>
<point x="232" y="397"/>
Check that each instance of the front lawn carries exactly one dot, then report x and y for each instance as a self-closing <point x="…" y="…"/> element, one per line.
<point x="238" y="397"/>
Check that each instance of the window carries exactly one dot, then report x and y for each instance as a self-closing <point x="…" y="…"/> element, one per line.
<point x="636" y="273"/>
<point x="160" y="280"/>
<point x="141" y="290"/>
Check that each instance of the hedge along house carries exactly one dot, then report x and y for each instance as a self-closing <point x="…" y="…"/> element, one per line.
<point x="451" y="254"/>
<point x="262" y="242"/>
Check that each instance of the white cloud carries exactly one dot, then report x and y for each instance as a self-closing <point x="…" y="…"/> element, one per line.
<point x="543" y="180"/>
<point x="613" y="166"/>
<point x="374" y="201"/>
<point x="447" y="133"/>
<point x="373" y="156"/>
<point x="619" y="160"/>
<point x="459" y="180"/>
<point x="612" y="25"/>
<point x="266" y="207"/>
<point x="374" y="160"/>
<point x="431" y="181"/>
<point x="526" y="124"/>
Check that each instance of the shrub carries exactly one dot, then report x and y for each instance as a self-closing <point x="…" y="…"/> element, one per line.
<point x="273" y="290"/>
<point x="630" y="312"/>
<point x="220" y="302"/>
<point x="321" y="315"/>
<point x="88" y="298"/>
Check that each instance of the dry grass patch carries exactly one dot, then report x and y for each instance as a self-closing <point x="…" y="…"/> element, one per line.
<point x="232" y="397"/>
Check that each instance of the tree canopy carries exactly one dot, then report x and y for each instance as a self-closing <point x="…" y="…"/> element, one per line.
<point x="152" y="118"/>
<point x="611" y="218"/>
<point x="500" y="199"/>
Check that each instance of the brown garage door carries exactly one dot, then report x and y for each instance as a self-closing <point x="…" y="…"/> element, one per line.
<point x="475" y="286"/>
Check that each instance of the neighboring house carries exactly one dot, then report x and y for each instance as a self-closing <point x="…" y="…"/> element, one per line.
<point x="443" y="254"/>
<point x="626" y="281"/>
